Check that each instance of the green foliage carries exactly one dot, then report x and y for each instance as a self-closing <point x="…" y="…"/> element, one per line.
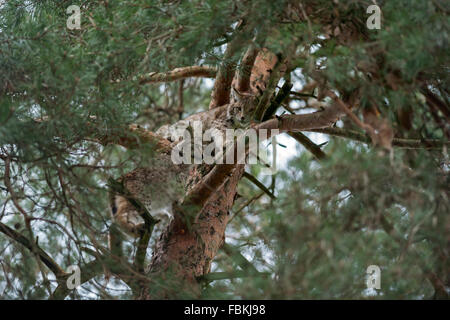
<point x="334" y="220"/>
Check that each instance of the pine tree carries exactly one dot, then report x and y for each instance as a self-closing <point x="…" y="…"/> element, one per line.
<point x="367" y="107"/>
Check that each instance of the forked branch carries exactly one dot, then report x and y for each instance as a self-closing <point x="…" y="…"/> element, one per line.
<point x="179" y="73"/>
<point x="222" y="86"/>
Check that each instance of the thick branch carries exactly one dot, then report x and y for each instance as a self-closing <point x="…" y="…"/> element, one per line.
<point x="369" y="129"/>
<point x="260" y="110"/>
<point x="229" y="275"/>
<point x="136" y="137"/>
<point x="87" y="272"/>
<point x="179" y="73"/>
<point x="307" y="143"/>
<point x="258" y="184"/>
<point x="141" y="251"/>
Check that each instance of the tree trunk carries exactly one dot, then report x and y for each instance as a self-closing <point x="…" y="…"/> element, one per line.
<point x="182" y="255"/>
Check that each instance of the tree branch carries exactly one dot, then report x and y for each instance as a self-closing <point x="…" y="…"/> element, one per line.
<point x="119" y="188"/>
<point x="366" y="127"/>
<point x="213" y="276"/>
<point x="199" y="194"/>
<point x="278" y="100"/>
<point x="222" y="85"/>
<point x="179" y="73"/>
<point x="244" y="205"/>
<point x="243" y="80"/>
<point x="136" y="137"/>
<point x="308" y="144"/>
<point x="44" y="257"/>
<point x="267" y="94"/>
<point x="87" y="272"/>
<point x="141" y="251"/>
<point x="239" y="259"/>
<point x="258" y="184"/>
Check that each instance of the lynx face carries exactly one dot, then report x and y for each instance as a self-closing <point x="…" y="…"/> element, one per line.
<point x="240" y="111"/>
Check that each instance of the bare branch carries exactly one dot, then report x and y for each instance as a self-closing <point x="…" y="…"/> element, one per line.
<point x="87" y="272"/>
<point x="179" y="73"/>
<point x="248" y="202"/>
<point x="267" y="94"/>
<point x="138" y="136"/>
<point x="307" y="143"/>
<point x="237" y="257"/>
<point x="229" y="275"/>
<point x="44" y="257"/>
